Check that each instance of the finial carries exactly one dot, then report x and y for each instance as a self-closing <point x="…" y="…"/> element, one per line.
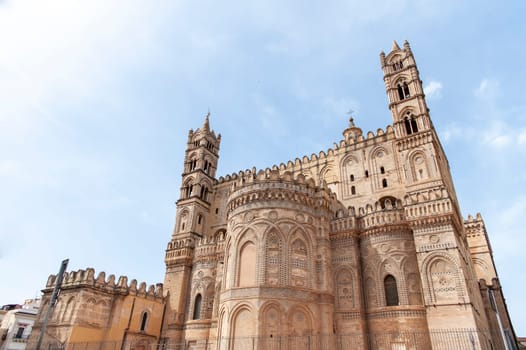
<point x="351" y="122"/>
<point x="206" y="124"/>
<point x="406" y="45"/>
<point x="395" y="46"/>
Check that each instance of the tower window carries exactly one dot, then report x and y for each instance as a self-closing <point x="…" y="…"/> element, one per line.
<point x="193" y="164"/>
<point x="199" y="219"/>
<point x="188" y="190"/>
<point x="353" y="190"/>
<point x="403" y="91"/>
<point x="352" y="177"/>
<point x="143" y="321"/>
<point x="367" y="173"/>
<point x="382" y="170"/>
<point x="398" y="65"/>
<point x="410" y="124"/>
<point x="197" y="307"/>
<point x="384" y="183"/>
<point x="391" y="291"/>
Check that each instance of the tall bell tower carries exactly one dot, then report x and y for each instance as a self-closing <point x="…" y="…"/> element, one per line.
<point x="405" y="92"/>
<point x="193" y="211"/>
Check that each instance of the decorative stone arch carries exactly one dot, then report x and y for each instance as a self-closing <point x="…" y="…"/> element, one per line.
<point x="419" y="165"/>
<point x="274" y="256"/>
<point x="223" y="327"/>
<point x="299" y="247"/>
<point x="481" y="268"/>
<point x="328" y="174"/>
<point x="192" y="161"/>
<point x="442" y="286"/>
<point x="184" y="221"/>
<point x="394" y="58"/>
<point x="246" y="259"/>
<point x="242" y="325"/>
<point x="351" y="171"/>
<point x="189" y="187"/>
<point x="205" y="189"/>
<point x="301" y="321"/>
<point x="345" y="296"/>
<point x="390" y="267"/>
<point x="412" y="281"/>
<point x="67" y="313"/>
<point x="203" y="286"/>
<point x="271" y="319"/>
<point x="144" y="319"/>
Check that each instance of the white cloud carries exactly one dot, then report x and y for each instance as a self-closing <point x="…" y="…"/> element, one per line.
<point x="488" y="89"/>
<point x="521" y="138"/>
<point x="433" y="89"/>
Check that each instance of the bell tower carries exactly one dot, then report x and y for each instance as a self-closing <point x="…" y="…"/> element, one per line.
<point x="404" y="90"/>
<point x="192" y="217"/>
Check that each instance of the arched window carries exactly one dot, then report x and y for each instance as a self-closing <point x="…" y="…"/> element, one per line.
<point x="384" y="183"/>
<point x="352" y="177"/>
<point x="193" y="164"/>
<point x="382" y="170"/>
<point x="391" y="291"/>
<point x="400" y="91"/>
<point x="143" y="321"/>
<point x="199" y="219"/>
<point x="406" y="90"/>
<point x="188" y="190"/>
<point x="353" y="190"/>
<point x="367" y="173"/>
<point x="403" y="91"/>
<point x="204" y="193"/>
<point x="410" y="124"/>
<point x="197" y="307"/>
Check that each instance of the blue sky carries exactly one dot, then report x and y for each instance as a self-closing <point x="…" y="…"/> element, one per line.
<point x="97" y="97"/>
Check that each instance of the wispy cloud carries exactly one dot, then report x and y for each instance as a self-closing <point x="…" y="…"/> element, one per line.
<point x="433" y="90"/>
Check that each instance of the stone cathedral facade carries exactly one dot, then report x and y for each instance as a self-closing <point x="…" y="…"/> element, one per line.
<point x="362" y="246"/>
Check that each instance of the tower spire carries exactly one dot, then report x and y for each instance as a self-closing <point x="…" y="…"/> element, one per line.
<point x="395" y="46"/>
<point x="206" y="124"/>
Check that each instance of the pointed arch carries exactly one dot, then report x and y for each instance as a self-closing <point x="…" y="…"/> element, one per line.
<point x="274" y="267"/>
<point x="344" y="288"/>
<point x="300" y="274"/>
<point x="144" y="321"/>
<point x="419" y="165"/>
<point x="246" y="276"/>
<point x="391" y="291"/>
<point x="196" y="314"/>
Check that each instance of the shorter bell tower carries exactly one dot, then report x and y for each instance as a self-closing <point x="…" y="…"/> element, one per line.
<point x="192" y="220"/>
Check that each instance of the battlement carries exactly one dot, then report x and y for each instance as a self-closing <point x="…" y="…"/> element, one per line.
<point x="271" y="186"/>
<point x="86" y="278"/>
<point x="314" y="159"/>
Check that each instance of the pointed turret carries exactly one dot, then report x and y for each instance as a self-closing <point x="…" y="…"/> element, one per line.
<point x="206" y="124"/>
<point x="395" y="46"/>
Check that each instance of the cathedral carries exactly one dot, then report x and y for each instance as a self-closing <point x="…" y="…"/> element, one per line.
<point x="361" y="246"/>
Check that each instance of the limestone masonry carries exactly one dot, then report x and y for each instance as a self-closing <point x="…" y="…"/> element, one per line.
<point x="362" y="246"/>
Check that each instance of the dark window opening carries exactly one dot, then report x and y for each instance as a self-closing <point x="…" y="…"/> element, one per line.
<point x="19" y="333"/>
<point x="384" y="183"/>
<point x="391" y="291"/>
<point x="410" y="125"/>
<point x="143" y="321"/>
<point x="217" y="210"/>
<point x="188" y="190"/>
<point x="353" y="190"/>
<point x="352" y="177"/>
<point x="382" y="170"/>
<point x="413" y="125"/>
<point x="403" y="91"/>
<point x="197" y="307"/>
<point x="199" y="219"/>
<point x="367" y="173"/>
